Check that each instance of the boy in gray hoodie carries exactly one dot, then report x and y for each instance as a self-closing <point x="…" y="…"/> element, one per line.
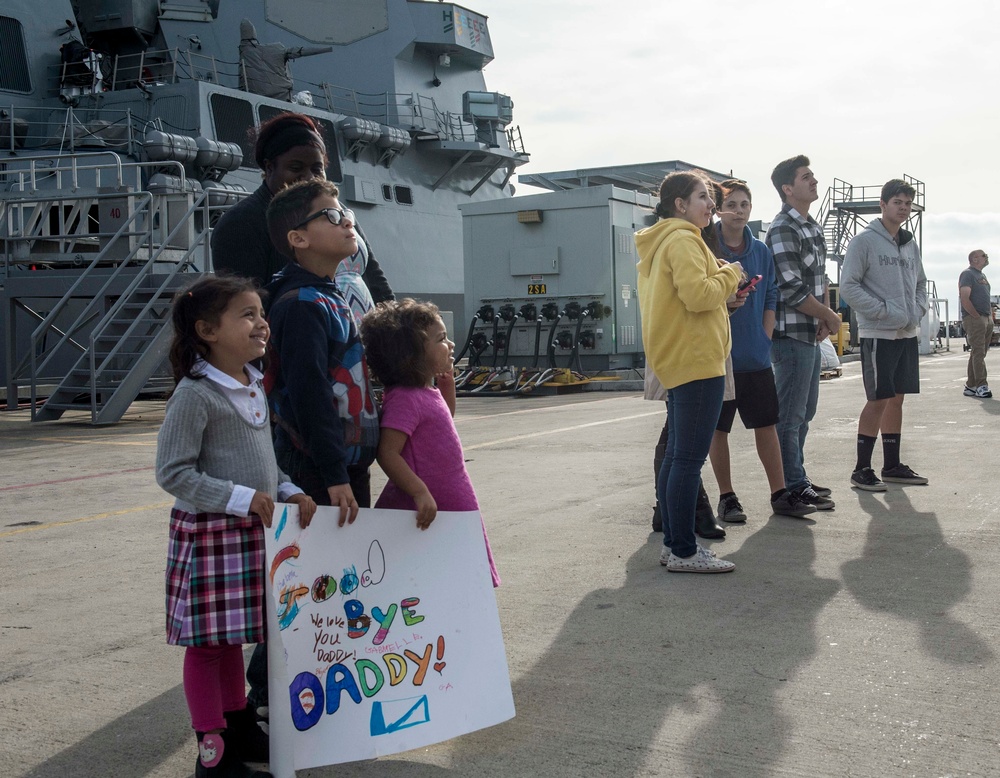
<point x="883" y="281"/>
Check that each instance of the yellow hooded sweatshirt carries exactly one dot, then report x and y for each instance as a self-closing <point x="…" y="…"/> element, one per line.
<point x="682" y="295"/>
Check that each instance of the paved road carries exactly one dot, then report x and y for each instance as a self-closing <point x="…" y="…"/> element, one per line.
<point x="863" y="643"/>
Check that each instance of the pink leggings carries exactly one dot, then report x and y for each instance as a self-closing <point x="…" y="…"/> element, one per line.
<point x="213" y="684"/>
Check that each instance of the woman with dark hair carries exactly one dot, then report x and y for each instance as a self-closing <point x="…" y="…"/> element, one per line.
<point x="685" y="329"/>
<point x="705" y="525"/>
<point x="289" y="148"/>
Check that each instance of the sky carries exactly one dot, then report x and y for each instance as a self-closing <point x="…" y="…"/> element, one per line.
<point x="868" y="92"/>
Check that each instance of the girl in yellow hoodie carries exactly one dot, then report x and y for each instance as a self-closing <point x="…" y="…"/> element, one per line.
<point x="685" y="331"/>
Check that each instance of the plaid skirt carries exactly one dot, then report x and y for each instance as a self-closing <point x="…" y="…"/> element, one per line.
<point x="215" y="580"/>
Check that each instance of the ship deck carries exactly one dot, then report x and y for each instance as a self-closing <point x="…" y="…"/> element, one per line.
<point x="864" y="642"/>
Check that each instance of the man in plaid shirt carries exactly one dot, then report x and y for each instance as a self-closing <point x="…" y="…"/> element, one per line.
<point x="803" y="318"/>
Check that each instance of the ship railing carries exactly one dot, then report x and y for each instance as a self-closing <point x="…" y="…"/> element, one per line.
<point x="49" y="215"/>
<point x="143" y="69"/>
<point x="70" y="129"/>
<point x="411" y="110"/>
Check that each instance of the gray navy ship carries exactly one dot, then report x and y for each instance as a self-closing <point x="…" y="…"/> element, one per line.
<point x="124" y="131"/>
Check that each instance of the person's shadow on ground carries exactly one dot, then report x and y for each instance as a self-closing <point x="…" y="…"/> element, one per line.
<point x="669" y="674"/>
<point x="908" y="570"/>
<point x="629" y="684"/>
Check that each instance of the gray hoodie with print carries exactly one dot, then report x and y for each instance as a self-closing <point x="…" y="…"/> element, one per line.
<point x="884" y="283"/>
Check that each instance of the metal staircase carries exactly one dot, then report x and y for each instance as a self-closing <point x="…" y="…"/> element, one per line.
<point x="128" y="344"/>
<point x="117" y="306"/>
<point x="847" y="209"/>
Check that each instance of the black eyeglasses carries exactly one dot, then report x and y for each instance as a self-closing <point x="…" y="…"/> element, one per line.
<point x="333" y="215"/>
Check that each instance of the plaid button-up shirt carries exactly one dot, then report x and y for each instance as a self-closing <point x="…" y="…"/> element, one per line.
<point x="799" y="250"/>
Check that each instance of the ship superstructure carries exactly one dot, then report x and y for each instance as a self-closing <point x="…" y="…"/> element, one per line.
<point x="124" y="126"/>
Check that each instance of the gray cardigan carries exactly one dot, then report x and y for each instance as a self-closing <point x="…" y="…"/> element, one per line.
<point x="205" y="447"/>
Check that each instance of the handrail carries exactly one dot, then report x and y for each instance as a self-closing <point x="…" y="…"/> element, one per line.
<point x="146" y="200"/>
<point x="54" y="130"/>
<point x="200" y="202"/>
<point x="76" y="169"/>
<point x="86" y="314"/>
<point x="8" y="236"/>
<point x="116" y="162"/>
<point x="410" y="110"/>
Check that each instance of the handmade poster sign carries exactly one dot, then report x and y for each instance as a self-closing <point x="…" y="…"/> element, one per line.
<point x="382" y="637"/>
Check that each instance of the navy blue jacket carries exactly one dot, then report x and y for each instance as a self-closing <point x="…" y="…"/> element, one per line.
<point x="317" y="381"/>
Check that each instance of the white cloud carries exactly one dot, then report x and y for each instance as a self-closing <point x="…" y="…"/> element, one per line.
<point x="868" y="96"/>
<point x="948" y="239"/>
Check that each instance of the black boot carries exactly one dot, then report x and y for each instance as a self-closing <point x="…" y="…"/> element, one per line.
<point x="705" y="525"/>
<point x="658" y="453"/>
<point x="245" y="736"/>
<point x="217" y="760"/>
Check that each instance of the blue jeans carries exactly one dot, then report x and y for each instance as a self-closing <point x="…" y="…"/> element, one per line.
<point x="796" y="378"/>
<point x="693" y="409"/>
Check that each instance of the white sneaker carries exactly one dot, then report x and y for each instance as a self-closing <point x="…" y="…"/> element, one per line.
<point x="665" y="553"/>
<point x="701" y="561"/>
<point x="983" y="392"/>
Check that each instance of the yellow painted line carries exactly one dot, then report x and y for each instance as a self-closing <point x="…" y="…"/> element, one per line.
<point x="51" y="525"/>
<point x="562" y="429"/>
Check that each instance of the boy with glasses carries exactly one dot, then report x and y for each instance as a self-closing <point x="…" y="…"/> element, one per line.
<point x="317" y="383"/>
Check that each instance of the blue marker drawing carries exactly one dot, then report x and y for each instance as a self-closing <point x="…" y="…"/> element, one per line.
<point x="281" y="523"/>
<point x="289" y="602"/>
<point x="402" y="714"/>
<point x="349" y="581"/>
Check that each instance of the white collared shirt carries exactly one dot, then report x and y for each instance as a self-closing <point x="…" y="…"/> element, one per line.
<point x="251" y="404"/>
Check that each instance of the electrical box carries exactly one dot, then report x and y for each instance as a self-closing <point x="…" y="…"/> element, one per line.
<point x="552" y="278"/>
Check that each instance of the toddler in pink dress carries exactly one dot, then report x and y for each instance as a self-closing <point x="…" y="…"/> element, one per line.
<point x="407" y="348"/>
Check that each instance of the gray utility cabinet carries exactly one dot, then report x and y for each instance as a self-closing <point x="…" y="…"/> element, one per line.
<point x="570" y="257"/>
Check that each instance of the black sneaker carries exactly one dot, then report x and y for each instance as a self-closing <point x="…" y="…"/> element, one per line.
<point x="789" y="504"/>
<point x="901" y="474"/>
<point x="866" y="479"/>
<point x="822" y="491"/>
<point x="245" y="737"/>
<point x="730" y="510"/>
<point x="807" y="495"/>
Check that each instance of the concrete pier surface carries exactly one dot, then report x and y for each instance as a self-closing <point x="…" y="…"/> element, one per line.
<point x="861" y="642"/>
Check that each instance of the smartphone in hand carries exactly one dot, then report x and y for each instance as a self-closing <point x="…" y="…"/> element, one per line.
<point x="745" y="288"/>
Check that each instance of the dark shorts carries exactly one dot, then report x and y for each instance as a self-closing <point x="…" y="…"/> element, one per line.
<point x="305" y="475"/>
<point x="890" y="367"/>
<point x="756" y="400"/>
